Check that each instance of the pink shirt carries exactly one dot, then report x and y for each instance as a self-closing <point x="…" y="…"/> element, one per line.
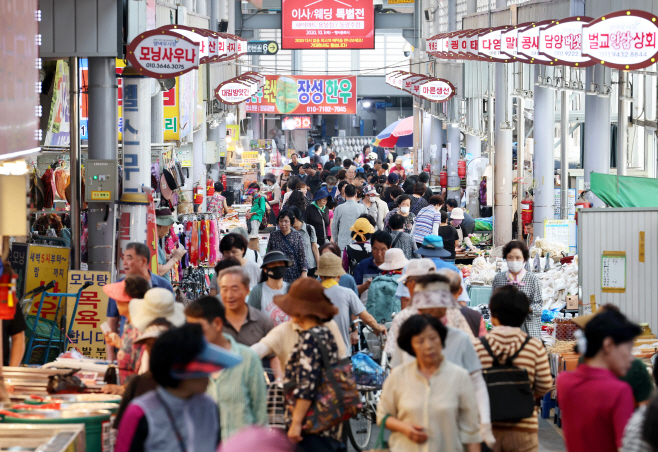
<point x="595" y="406"/>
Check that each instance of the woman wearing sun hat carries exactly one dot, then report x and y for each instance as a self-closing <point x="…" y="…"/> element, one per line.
<point x="309" y="307"/>
<point x="156" y="303"/>
<point x="285" y="176"/>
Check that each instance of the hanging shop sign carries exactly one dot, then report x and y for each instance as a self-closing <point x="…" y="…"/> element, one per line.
<point x="622" y="40"/>
<point x="562" y="42"/>
<point x="232" y="92"/>
<point x="489" y="44"/>
<point x="472" y="40"/>
<point x="409" y="82"/>
<point x="510" y="43"/>
<point x="163" y="54"/>
<point x="296" y="122"/>
<point x="435" y="90"/>
<point x="262" y="48"/>
<point x="86" y="334"/>
<point x="528" y="42"/>
<point x="328" y="24"/>
<point x="200" y="36"/>
<point x="305" y="94"/>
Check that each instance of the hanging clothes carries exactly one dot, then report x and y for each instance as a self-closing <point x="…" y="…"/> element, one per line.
<point x="194" y="245"/>
<point x="214" y="244"/>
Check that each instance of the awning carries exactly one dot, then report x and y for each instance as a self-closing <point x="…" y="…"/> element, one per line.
<point x="625" y="191"/>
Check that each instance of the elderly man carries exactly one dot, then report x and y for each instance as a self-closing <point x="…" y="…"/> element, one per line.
<point x="399" y="169"/>
<point x="330" y="270"/>
<point x="136" y="261"/>
<point x="351" y="174"/>
<point x="294" y="163"/>
<point x="164" y="219"/>
<point x="344" y="217"/>
<point x="240" y="391"/>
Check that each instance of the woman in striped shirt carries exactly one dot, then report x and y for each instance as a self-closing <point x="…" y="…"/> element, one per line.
<point x="509" y="308"/>
<point x="428" y="220"/>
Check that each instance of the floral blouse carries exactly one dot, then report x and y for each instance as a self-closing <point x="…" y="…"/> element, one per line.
<point x="215" y="203"/>
<point x="129" y="355"/>
<point x="408" y="224"/>
<point x="417" y="204"/>
<point x="304" y="369"/>
<point x="292" y="246"/>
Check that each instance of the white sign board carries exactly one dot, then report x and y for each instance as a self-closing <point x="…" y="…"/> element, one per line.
<point x="572" y="203"/>
<point x="613" y="271"/>
<point x="528" y="41"/>
<point x="562" y="42"/>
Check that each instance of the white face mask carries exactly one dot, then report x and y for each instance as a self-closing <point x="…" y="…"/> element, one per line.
<point x="404" y="209"/>
<point x="515" y="266"/>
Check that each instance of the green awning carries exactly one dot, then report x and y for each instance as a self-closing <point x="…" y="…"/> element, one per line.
<point x="625" y="191"/>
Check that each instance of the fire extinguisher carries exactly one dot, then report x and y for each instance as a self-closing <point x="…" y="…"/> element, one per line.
<point x="428" y="169"/>
<point x="461" y="168"/>
<point x="581" y="204"/>
<point x="210" y="187"/>
<point x="527" y="206"/>
<point x="224" y="181"/>
<point x="198" y="194"/>
<point x="443" y="179"/>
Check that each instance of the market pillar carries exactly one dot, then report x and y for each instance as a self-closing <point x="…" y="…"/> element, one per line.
<point x="454" y="149"/>
<point x="622" y="125"/>
<point x="102" y="98"/>
<point x="199" y="166"/>
<point x="473" y="147"/>
<point x="157" y="116"/>
<point x="436" y="143"/>
<point x="136" y="159"/>
<point x="544" y="164"/>
<point x="596" y="154"/>
<point x="503" y="212"/>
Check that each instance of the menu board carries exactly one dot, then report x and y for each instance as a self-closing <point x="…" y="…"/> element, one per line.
<point x="613" y="271"/>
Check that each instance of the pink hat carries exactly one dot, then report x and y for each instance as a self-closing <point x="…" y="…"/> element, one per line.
<point x="117" y="291"/>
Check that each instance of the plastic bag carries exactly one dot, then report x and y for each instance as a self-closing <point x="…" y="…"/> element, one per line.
<point x="65" y="383"/>
<point x="366" y="371"/>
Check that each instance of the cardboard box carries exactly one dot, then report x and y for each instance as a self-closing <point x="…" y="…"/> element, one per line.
<point x="572" y="301"/>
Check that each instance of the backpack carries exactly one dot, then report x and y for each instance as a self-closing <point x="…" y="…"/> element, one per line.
<point x="382" y="301"/>
<point x="356" y="256"/>
<point x="510" y="392"/>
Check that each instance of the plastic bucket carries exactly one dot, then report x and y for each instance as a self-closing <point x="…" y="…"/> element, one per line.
<point x="97" y="424"/>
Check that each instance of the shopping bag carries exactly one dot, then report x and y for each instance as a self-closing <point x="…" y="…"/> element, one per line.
<point x="381" y="445"/>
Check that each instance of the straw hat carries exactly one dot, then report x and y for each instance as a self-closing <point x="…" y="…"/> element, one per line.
<point x="394" y="260"/>
<point x="398" y="161"/>
<point x="287" y="168"/>
<point x="157" y="302"/>
<point x="330" y="265"/>
<point x="306" y="297"/>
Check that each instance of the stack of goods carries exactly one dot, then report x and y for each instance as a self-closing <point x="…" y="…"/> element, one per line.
<point x="557" y="283"/>
<point x="482" y="272"/>
<point x="544" y="246"/>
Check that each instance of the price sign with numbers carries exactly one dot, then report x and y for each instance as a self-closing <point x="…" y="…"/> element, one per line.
<point x="613" y="271"/>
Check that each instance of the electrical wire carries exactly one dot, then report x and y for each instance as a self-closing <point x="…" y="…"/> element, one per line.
<point x="400" y="64"/>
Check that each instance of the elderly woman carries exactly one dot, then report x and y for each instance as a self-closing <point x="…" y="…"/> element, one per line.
<point x="516" y="254"/>
<point x="287" y="240"/>
<point x="317" y="215"/>
<point x="403" y="203"/>
<point x="429" y="401"/>
<point x="309" y="308"/>
<point x="217" y="203"/>
<point x="376" y="207"/>
<point x="273" y="192"/>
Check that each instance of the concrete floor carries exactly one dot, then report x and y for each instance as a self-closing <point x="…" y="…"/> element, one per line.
<point x="550" y="437"/>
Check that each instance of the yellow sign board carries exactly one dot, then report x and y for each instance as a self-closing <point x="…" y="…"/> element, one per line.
<point x="249" y="157"/>
<point x="100" y="195"/>
<point x="396" y="2"/>
<point x="45" y="264"/>
<point x="86" y="334"/>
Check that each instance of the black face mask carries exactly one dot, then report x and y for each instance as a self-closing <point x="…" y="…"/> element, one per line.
<point x="276" y="272"/>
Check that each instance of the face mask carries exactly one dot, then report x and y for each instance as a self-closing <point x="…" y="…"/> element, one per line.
<point x="404" y="209"/>
<point x="276" y="272"/>
<point x="330" y="187"/>
<point x="456" y="222"/>
<point x="515" y="266"/>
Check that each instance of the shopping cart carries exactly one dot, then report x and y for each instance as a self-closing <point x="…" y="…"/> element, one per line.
<point x="276" y="401"/>
<point x="44" y="336"/>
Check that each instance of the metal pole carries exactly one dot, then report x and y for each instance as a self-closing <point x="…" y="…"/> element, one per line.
<point x="214" y="15"/>
<point x="102" y="146"/>
<point x="503" y="217"/>
<point x="454" y="149"/>
<point x="622" y="125"/>
<point x="564" y="162"/>
<point x="544" y="160"/>
<point x="597" y="130"/>
<point x="157" y="117"/>
<point x="76" y="184"/>
<point x="520" y="162"/>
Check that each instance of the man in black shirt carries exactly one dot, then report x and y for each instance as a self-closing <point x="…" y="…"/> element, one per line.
<point x="313" y="179"/>
<point x="424" y="177"/>
<point x="449" y="235"/>
<point x="294" y="164"/>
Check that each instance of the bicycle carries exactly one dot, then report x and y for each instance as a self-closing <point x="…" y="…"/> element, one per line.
<point x="359" y="427"/>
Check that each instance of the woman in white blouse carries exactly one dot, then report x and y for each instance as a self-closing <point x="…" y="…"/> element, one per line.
<point x="428" y="404"/>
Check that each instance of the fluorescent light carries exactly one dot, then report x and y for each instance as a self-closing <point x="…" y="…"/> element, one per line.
<point x="366" y="103"/>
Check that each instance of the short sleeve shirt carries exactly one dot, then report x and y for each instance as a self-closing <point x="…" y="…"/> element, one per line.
<point x="256" y="326"/>
<point x="348" y="304"/>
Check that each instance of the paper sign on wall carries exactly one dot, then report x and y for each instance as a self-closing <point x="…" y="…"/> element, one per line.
<point x="613" y="271"/>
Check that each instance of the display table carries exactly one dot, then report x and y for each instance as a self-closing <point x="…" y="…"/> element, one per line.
<point x="479" y="295"/>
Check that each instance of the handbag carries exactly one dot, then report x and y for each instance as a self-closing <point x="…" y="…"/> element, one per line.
<point x="381" y="445"/>
<point x="337" y="398"/>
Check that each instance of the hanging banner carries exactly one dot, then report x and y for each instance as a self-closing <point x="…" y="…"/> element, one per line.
<point x="163" y="54"/>
<point x="45" y="264"/>
<point x="435" y="90"/>
<point x="622" y="40"/>
<point x="152" y="233"/>
<point x="528" y="42"/>
<point x="305" y="94"/>
<point x="58" y="128"/>
<point x="86" y="334"/>
<point x="171" y="113"/>
<point x="562" y="42"/>
<point x="327" y="24"/>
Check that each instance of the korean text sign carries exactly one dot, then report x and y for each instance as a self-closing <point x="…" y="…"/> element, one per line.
<point x="46" y="264"/>
<point x="302" y="95"/>
<point x="86" y="334"/>
<point x="328" y="24"/>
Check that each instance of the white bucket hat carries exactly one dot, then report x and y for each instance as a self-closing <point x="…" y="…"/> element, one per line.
<point x="156" y="303"/>
<point x="457" y="213"/>
<point x="394" y="260"/>
<point x="433" y="295"/>
<point x="418" y="267"/>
